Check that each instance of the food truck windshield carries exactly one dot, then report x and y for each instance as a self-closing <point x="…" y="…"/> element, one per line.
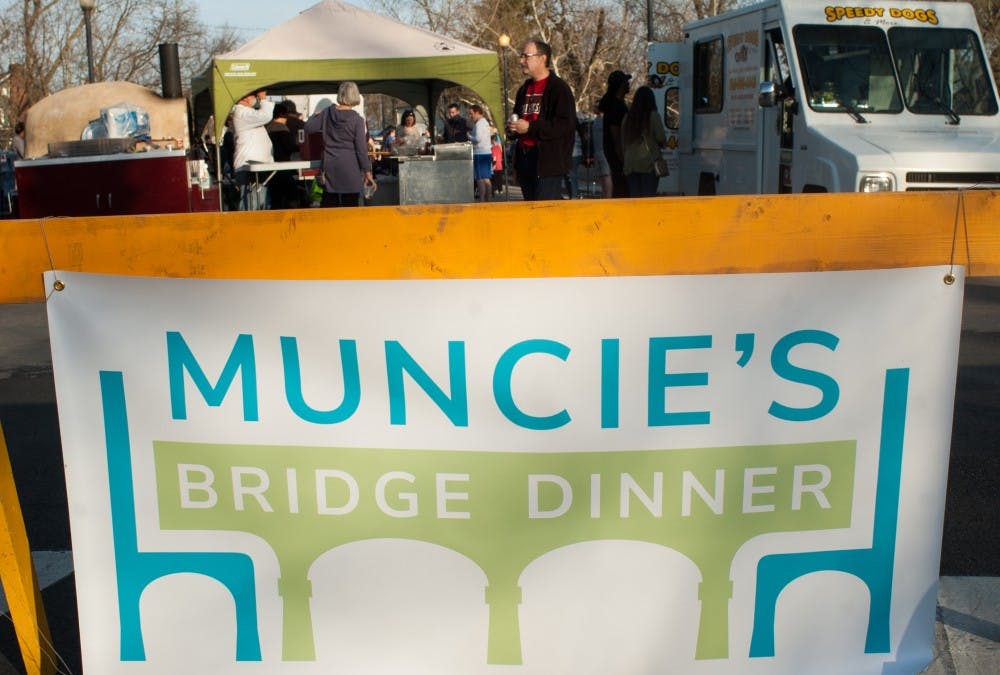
<point x="941" y="71"/>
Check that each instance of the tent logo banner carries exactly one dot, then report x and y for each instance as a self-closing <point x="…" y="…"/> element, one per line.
<point x="552" y="475"/>
<point x="240" y="70"/>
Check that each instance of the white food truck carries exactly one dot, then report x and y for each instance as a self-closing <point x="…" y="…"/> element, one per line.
<point x="801" y="96"/>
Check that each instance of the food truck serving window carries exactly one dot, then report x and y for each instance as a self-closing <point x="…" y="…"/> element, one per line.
<point x="708" y="76"/>
<point x="942" y="71"/>
<point x="847" y="68"/>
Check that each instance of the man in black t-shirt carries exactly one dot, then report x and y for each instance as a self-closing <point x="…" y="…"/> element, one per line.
<point x="456" y="128"/>
<point x="283" y="193"/>
<point x="613" y="106"/>
<point x="293" y="120"/>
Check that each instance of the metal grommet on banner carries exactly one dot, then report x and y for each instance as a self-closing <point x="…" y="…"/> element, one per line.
<point x="58" y="285"/>
<point x="949" y="279"/>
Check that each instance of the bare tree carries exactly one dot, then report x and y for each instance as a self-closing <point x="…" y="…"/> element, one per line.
<point x="988" y="16"/>
<point x="45" y="38"/>
<point x="589" y="38"/>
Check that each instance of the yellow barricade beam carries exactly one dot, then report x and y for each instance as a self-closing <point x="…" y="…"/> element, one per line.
<point x="680" y="235"/>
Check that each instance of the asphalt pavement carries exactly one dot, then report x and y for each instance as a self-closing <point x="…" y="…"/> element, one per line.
<point x="968" y="628"/>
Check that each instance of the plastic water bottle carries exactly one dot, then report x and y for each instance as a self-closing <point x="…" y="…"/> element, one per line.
<point x="203" y="180"/>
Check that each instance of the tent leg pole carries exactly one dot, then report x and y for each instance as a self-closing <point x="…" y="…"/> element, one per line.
<point x="218" y="170"/>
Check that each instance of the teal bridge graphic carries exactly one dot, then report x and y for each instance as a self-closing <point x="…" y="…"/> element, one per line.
<point x="502" y="510"/>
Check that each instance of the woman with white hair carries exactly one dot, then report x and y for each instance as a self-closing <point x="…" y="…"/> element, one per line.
<point x="346" y="165"/>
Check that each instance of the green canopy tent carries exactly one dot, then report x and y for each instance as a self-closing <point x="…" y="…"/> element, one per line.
<point x="334" y="41"/>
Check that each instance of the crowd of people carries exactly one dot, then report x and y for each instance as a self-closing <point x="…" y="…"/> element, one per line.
<point x="260" y="130"/>
<point x="624" y="145"/>
<point x="548" y="143"/>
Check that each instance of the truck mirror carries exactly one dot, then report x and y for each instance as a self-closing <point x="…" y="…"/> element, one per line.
<point x="767" y="96"/>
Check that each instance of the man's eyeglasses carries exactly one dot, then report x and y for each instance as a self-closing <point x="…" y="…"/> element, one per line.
<point x="528" y="56"/>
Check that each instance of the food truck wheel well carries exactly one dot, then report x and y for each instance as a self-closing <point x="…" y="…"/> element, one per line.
<point x="706" y="183"/>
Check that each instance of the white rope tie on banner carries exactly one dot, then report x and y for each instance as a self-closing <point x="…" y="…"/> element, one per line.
<point x="58" y="284"/>
<point x="52" y="654"/>
<point x="949" y="278"/>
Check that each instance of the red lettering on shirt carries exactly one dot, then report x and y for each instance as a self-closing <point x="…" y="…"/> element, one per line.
<point x="532" y="106"/>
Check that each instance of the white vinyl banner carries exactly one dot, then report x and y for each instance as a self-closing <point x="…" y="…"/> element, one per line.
<point x="694" y="474"/>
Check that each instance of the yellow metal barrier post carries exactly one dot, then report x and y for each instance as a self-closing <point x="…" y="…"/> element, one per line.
<point x="18" y="574"/>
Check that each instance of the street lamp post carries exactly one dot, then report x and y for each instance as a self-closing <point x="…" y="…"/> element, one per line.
<point x="504" y="42"/>
<point x="649" y="20"/>
<point x="88" y="6"/>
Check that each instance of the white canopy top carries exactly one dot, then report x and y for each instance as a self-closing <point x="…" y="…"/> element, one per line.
<point x="338" y="30"/>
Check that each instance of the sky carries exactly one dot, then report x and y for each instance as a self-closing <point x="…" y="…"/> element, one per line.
<point x="252" y="17"/>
